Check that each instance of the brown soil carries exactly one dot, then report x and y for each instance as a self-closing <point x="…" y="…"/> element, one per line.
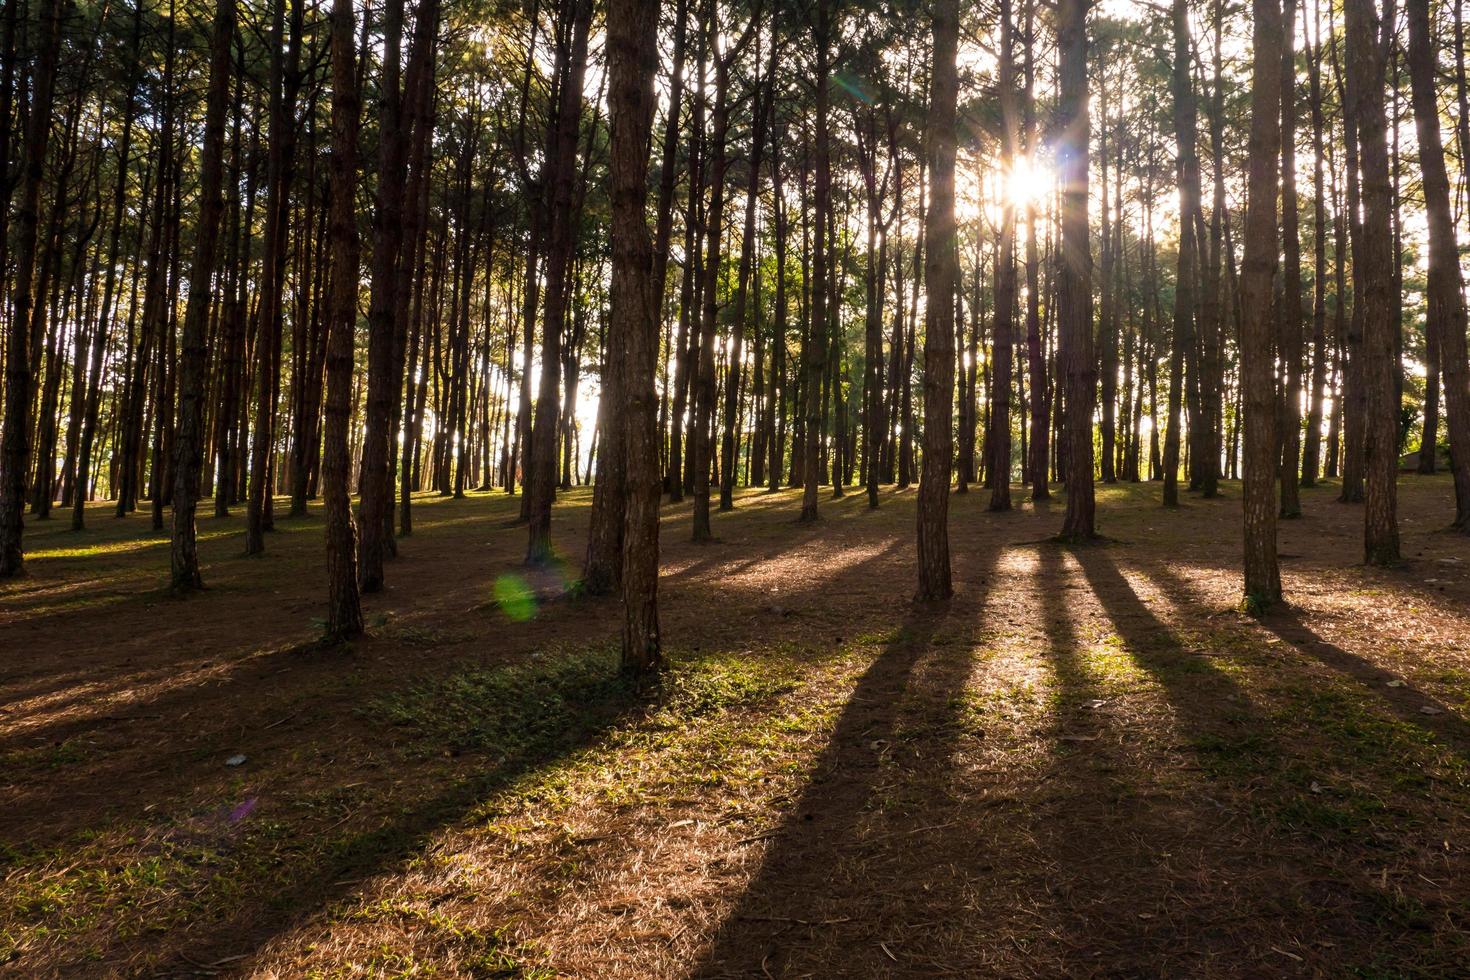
<point x="1088" y="763"/>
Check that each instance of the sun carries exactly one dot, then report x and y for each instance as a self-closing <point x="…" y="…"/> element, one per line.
<point x="1028" y="181"/>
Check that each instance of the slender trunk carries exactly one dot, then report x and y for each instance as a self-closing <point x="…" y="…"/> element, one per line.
<point x="189" y="441"/>
<point x="939" y="284"/>
<point x="1365" y="81"/>
<point x="15" y="442"/>
<point x="1289" y="326"/>
<point x="376" y="525"/>
<point x="562" y="163"/>
<point x="1257" y="369"/>
<point x="1074" y="275"/>
<point x="344" y="610"/>
<point x="1446" y="320"/>
<point x="814" y="349"/>
<point x="1005" y="283"/>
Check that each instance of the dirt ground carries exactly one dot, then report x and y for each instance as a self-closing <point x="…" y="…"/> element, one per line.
<point x="1089" y="763"/>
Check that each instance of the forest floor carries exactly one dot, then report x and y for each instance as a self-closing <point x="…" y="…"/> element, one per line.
<point x="1090" y="762"/>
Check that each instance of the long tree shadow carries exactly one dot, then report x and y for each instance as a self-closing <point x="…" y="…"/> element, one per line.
<point x="323" y="863"/>
<point x="854" y="858"/>
<point x="1410" y="706"/>
<point x="1294" y="852"/>
<point x="1129" y="841"/>
<point x="1287" y="623"/>
<point x="1197" y="688"/>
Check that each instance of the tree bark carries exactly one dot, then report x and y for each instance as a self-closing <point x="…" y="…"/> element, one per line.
<point x="1290" y="311"/>
<point x="940" y="276"/>
<point x="193" y="368"/>
<point x="999" y="465"/>
<point x="814" y="348"/>
<point x="15" y="441"/>
<point x="376" y="524"/>
<point x="633" y="327"/>
<point x="1074" y="273"/>
<point x="1258" y="269"/>
<point x="1365" y="80"/>
<point x="344" y="611"/>
<point x="561" y="163"/>
<point x="1446" y="294"/>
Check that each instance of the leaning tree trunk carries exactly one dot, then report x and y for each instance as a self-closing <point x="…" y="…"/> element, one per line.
<point x="940" y="274"/>
<point x="194" y="366"/>
<point x="1446" y="294"/>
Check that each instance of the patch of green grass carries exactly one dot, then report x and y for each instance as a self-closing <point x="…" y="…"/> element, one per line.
<point x="43" y="758"/>
<point x="553" y="702"/>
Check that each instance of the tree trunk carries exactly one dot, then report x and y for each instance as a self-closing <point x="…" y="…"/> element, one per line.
<point x="560" y="243"/>
<point x="376" y="525"/>
<point x="284" y="82"/>
<point x="189" y="441"/>
<point x="1258" y="269"/>
<point x="1365" y="80"/>
<point x="814" y="348"/>
<point x="15" y="442"/>
<point x="1005" y="282"/>
<point x="1446" y="294"/>
<point x="1074" y="274"/>
<point x="1185" y="122"/>
<point x="1290" y="312"/>
<point x="634" y="324"/>
<point x="344" y="611"/>
<point x="940" y="276"/>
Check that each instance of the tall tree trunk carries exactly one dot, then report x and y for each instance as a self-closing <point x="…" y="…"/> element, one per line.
<point x="940" y="275"/>
<point x="814" y="348"/>
<point x="1312" y="445"/>
<point x="561" y="241"/>
<point x="376" y="523"/>
<point x="344" y="610"/>
<point x="1290" y="312"/>
<point x="15" y="441"/>
<point x="1074" y="274"/>
<point x="284" y="82"/>
<point x="1257" y="367"/>
<point x="1446" y="294"/>
<point x="633" y="327"/>
<point x="189" y="441"/>
<point x="1185" y="122"/>
<point x="742" y="283"/>
<point x="1365" y="80"/>
<point x="1039" y="463"/>
<point x="1005" y="281"/>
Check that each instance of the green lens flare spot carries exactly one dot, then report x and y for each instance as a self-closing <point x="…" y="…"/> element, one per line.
<point x="515" y="598"/>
